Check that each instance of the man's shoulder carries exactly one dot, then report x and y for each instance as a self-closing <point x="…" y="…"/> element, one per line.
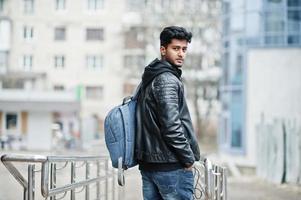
<point x="166" y="77"/>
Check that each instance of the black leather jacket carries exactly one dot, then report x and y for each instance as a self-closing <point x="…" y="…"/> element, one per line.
<point x="165" y="134"/>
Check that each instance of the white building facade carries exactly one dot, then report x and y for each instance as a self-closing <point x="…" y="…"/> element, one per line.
<point x="95" y="49"/>
<point x="72" y="46"/>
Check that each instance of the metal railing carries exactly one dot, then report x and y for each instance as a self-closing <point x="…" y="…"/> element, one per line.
<point x="210" y="180"/>
<point x="49" y="170"/>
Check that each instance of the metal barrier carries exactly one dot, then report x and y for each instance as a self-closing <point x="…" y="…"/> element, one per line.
<point x="49" y="170"/>
<point x="210" y="180"/>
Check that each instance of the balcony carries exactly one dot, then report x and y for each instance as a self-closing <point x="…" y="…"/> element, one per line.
<point x="38" y="100"/>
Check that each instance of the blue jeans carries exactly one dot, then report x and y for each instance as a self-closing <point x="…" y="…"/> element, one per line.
<point x="170" y="185"/>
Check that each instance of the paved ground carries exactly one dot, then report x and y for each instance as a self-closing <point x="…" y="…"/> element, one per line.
<point x="246" y="188"/>
<point x="253" y="188"/>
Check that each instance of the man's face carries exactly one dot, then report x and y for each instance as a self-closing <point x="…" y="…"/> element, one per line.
<point x="175" y="52"/>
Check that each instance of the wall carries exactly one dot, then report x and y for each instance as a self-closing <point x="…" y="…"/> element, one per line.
<point x="273" y="88"/>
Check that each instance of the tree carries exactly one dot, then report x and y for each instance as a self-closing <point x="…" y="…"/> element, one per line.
<point x="201" y="17"/>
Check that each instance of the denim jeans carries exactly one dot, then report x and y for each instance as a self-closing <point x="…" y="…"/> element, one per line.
<point x="170" y="185"/>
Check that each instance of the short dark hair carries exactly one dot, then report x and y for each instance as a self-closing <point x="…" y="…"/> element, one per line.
<point x="174" y="32"/>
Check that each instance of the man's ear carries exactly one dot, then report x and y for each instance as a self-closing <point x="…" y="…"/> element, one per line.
<point x="163" y="51"/>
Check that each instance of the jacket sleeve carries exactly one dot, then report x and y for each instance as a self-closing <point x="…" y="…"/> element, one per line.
<point x="166" y="92"/>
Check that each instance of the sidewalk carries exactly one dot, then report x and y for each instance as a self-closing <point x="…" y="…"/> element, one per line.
<point x="253" y="188"/>
<point x="244" y="188"/>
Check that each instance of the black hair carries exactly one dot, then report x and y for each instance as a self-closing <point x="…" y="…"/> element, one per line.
<point x="174" y="32"/>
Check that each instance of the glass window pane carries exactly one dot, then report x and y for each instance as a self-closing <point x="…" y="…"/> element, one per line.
<point x="60" y="33"/>
<point x="58" y="87"/>
<point x="94" y="62"/>
<point x="27" y="32"/>
<point x="94" y="34"/>
<point x="236" y="119"/>
<point x="28" y="6"/>
<point x="95" y="4"/>
<point x="11" y="121"/>
<point x="60" y="5"/>
<point x="274" y="39"/>
<point x="294" y="20"/>
<point x="3" y="61"/>
<point x="293" y="39"/>
<point x="1" y="5"/>
<point x="274" y="1"/>
<point x="94" y="92"/>
<point x="27" y="62"/>
<point x="59" y="61"/>
<point x="294" y="3"/>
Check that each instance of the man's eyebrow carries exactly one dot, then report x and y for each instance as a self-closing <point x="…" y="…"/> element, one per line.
<point x="179" y="46"/>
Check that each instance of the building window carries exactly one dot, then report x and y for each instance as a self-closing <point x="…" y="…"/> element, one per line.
<point x="274" y="21"/>
<point x="59" y="62"/>
<point x="94" y="92"/>
<point x="136" y="5"/>
<point x="27" y="62"/>
<point x="274" y="28"/>
<point x="294" y="20"/>
<point x="3" y="61"/>
<point x="60" y="33"/>
<point x="294" y="3"/>
<point x="129" y="88"/>
<point x="12" y="84"/>
<point x="134" y="61"/>
<point x="60" y="4"/>
<point x="135" y="38"/>
<point x="194" y="61"/>
<point x="2" y="5"/>
<point x="11" y="120"/>
<point x="27" y="32"/>
<point x="226" y="64"/>
<point x="239" y="64"/>
<point x="165" y="4"/>
<point x="275" y="1"/>
<point x="28" y="6"/>
<point x="93" y="34"/>
<point x="94" y="62"/>
<point x="95" y="4"/>
<point x="58" y="87"/>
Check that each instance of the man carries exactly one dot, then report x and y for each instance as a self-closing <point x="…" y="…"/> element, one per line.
<point x="166" y="147"/>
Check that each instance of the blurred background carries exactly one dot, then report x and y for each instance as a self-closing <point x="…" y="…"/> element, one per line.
<point x="64" y="64"/>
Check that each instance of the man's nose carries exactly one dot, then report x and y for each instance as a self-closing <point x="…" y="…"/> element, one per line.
<point x="181" y="53"/>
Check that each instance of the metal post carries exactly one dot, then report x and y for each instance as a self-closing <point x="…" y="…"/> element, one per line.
<point x="87" y="177"/>
<point x="52" y="178"/>
<point x="217" y="185"/>
<point x="45" y="179"/>
<point x="24" y="194"/>
<point x="224" y="183"/>
<point x="208" y="179"/>
<point x="98" y="183"/>
<point x="107" y="180"/>
<point x="31" y="182"/>
<point x="113" y="184"/>
<point x="72" y="194"/>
